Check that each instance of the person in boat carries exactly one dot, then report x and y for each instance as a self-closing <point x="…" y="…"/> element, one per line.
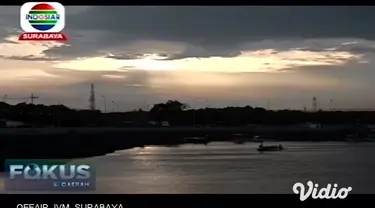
<point x="280" y="147"/>
<point x="261" y="145"/>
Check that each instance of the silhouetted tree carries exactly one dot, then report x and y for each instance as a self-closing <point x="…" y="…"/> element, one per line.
<point x="178" y="114"/>
<point x="169" y="106"/>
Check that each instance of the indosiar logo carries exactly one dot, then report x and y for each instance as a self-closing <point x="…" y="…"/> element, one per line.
<point x="42" y="21"/>
<point x="48" y="175"/>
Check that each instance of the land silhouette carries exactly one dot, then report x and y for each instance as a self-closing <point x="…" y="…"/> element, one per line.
<point x="177" y="114"/>
<point x="60" y="132"/>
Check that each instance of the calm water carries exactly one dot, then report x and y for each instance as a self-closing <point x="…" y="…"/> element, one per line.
<point x="231" y="168"/>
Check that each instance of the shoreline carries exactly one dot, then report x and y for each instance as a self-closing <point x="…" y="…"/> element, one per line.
<point x="75" y="143"/>
<point x="180" y="129"/>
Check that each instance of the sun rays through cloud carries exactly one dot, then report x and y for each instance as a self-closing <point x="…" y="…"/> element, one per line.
<point x="162" y="59"/>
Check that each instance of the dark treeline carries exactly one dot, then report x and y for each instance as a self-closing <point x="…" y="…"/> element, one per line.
<point x="177" y="114"/>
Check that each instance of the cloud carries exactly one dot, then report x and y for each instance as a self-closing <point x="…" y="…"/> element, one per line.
<point x="239" y="23"/>
<point x="236" y="52"/>
<point x="114" y="76"/>
<point x="24" y="78"/>
<point x="28" y="58"/>
<point x="210" y="27"/>
<point x="267" y="60"/>
<point x="92" y="64"/>
<point x="13" y="49"/>
<point x="186" y="32"/>
<point x="183" y="32"/>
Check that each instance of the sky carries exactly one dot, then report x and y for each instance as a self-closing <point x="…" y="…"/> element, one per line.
<point x="272" y="56"/>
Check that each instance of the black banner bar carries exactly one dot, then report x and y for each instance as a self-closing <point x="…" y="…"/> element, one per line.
<point x="196" y="200"/>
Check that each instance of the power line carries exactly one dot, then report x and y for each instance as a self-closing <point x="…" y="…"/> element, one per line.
<point x="92" y="97"/>
<point x="315" y="104"/>
<point x="105" y="103"/>
<point x="31" y="98"/>
<point x="330" y="104"/>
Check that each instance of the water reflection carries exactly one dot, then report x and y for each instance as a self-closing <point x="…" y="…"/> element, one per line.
<point x="230" y="168"/>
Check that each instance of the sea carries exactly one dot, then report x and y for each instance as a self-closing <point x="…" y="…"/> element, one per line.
<point x="228" y="168"/>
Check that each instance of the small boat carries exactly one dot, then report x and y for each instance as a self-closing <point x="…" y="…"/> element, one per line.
<point x="171" y="145"/>
<point x="350" y="140"/>
<point x="262" y="148"/>
<point x="196" y="140"/>
<point x="238" y="141"/>
<point x="354" y="138"/>
<point x="370" y="137"/>
<point x="257" y="139"/>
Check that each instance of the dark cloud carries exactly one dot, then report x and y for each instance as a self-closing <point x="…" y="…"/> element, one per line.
<point x="361" y="49"/>
<point x="208" y="31"/>
<point x="9" y="21"/>
<point x="29" y="58"/>
<point x="123" y="56"/>
<point x="187" y="52"/>
<point x="10" y="41"/>
<point x="86" y="43"/>
<point x="229" y="25"/>
<point x="202" y="31"/>
<point x="202" y="53"/>
<point x="355" y="46"/>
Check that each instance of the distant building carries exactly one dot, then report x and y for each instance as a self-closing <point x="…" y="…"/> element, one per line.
<point x="164" y="123"/>
<point x="12" y="124"/>
<point x="312" y="125"/>
<point x="152" y="123"/>
<point x="372" y="128"/>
